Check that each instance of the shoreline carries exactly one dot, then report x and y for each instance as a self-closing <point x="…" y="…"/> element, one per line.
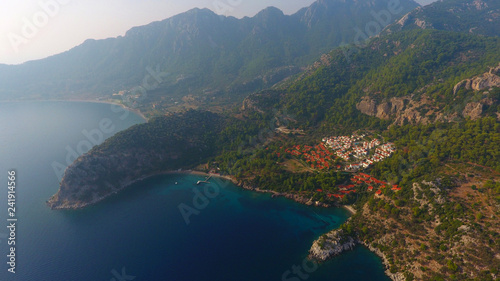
<point x="110" y="102"/>
<point x="393" y="276"/>
<point x="274" y="194"/>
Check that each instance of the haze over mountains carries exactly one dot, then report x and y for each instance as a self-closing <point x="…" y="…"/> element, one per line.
<point x="201" y="52"/>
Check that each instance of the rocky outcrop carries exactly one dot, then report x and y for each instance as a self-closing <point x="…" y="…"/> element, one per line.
<point x="331" y="244"/>
<point x="486" y="81"/>
<point x="420" y="109"/>
<point x="367" y="106"/>
<point x="473" y="110"/>
<point x="399" y="109"/>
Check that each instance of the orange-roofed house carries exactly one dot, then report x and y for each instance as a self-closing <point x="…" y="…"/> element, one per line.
<point x="396" y="188"/>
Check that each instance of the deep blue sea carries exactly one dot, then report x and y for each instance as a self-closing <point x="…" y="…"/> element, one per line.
<point x="226" y="233"/>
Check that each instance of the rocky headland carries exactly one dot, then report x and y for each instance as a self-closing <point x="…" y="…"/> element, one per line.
<point x="331" y="244"/>
<point x="163" y="144"/>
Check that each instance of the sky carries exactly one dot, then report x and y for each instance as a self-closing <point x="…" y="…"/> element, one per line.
<point x="35" y="29"/>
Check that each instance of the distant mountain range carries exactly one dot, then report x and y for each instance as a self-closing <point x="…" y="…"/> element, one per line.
<point x="202" y="53"/>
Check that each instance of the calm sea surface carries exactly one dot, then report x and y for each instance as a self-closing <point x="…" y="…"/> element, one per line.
<point x="141" y="234"/>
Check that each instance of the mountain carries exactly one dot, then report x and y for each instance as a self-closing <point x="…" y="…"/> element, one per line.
<point x="415" y="76"/>
<point x="433" y="92"/>
<point x="475" y="17"/>
<point x="196" y="53"/>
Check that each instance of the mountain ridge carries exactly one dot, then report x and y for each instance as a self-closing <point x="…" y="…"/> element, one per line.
<point x="476" y="17"/>
<point x="220" y="55"/>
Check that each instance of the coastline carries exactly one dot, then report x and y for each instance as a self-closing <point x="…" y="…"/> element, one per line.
<point x="274" y="194"/>
<point x="398" y="276"/>
<point x="110" y="102"/>
<point x="393" y="276"/>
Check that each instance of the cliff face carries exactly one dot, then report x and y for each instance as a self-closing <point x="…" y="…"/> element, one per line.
<point x="163" y="144"/>
<point x="401" y="110"/>
<point x="425" y="110"/>
<point x="481" y="82"/>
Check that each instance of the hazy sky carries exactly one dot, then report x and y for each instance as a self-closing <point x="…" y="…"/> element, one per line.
<point x="34" y="29"/>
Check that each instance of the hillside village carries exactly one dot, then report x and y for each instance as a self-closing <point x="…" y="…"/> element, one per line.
<point x="355" y="146"/>
<point x="348" y="154"/>
<point x="357" y="151"/>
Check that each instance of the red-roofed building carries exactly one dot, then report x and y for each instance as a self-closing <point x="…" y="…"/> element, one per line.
<point x="378" y="192"/>
<point x="370" y="188"/>
<point x="396" y="188"/>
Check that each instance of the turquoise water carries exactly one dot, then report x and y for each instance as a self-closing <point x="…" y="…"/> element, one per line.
<point x="141" y="234"/>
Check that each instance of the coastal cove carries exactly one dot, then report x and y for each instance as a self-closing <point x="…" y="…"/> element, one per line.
<point x="238" y="235"/>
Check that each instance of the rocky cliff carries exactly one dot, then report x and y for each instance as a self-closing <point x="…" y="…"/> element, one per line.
<point x="331" y="244"/>
<point x="422" y="109"/>
<point x="485" y="81"/>
<point x="400" y="109"/>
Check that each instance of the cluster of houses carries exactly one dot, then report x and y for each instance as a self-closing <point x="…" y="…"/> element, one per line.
<point x="342" y="145"/>
<point x="347" y="146"/>
<point x="318" y="156"/>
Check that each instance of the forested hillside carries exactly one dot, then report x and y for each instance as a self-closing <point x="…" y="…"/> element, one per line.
<point x="411" y="65"/>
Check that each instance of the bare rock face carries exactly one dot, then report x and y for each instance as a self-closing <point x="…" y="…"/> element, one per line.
<point x="404" y="20"/>
<point x="384" y="111"/>
<point x="401" y="109"/>
<point x="367" y="106"/>
<point x="421" y="23"/>
<point x="462" y="84"/>
<point x="487" y="80"/>
<point x="474" y="110"/>
<point x="398" y="104"/>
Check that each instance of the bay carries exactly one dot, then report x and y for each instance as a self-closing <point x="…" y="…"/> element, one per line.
<point x="141" y="233"/>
